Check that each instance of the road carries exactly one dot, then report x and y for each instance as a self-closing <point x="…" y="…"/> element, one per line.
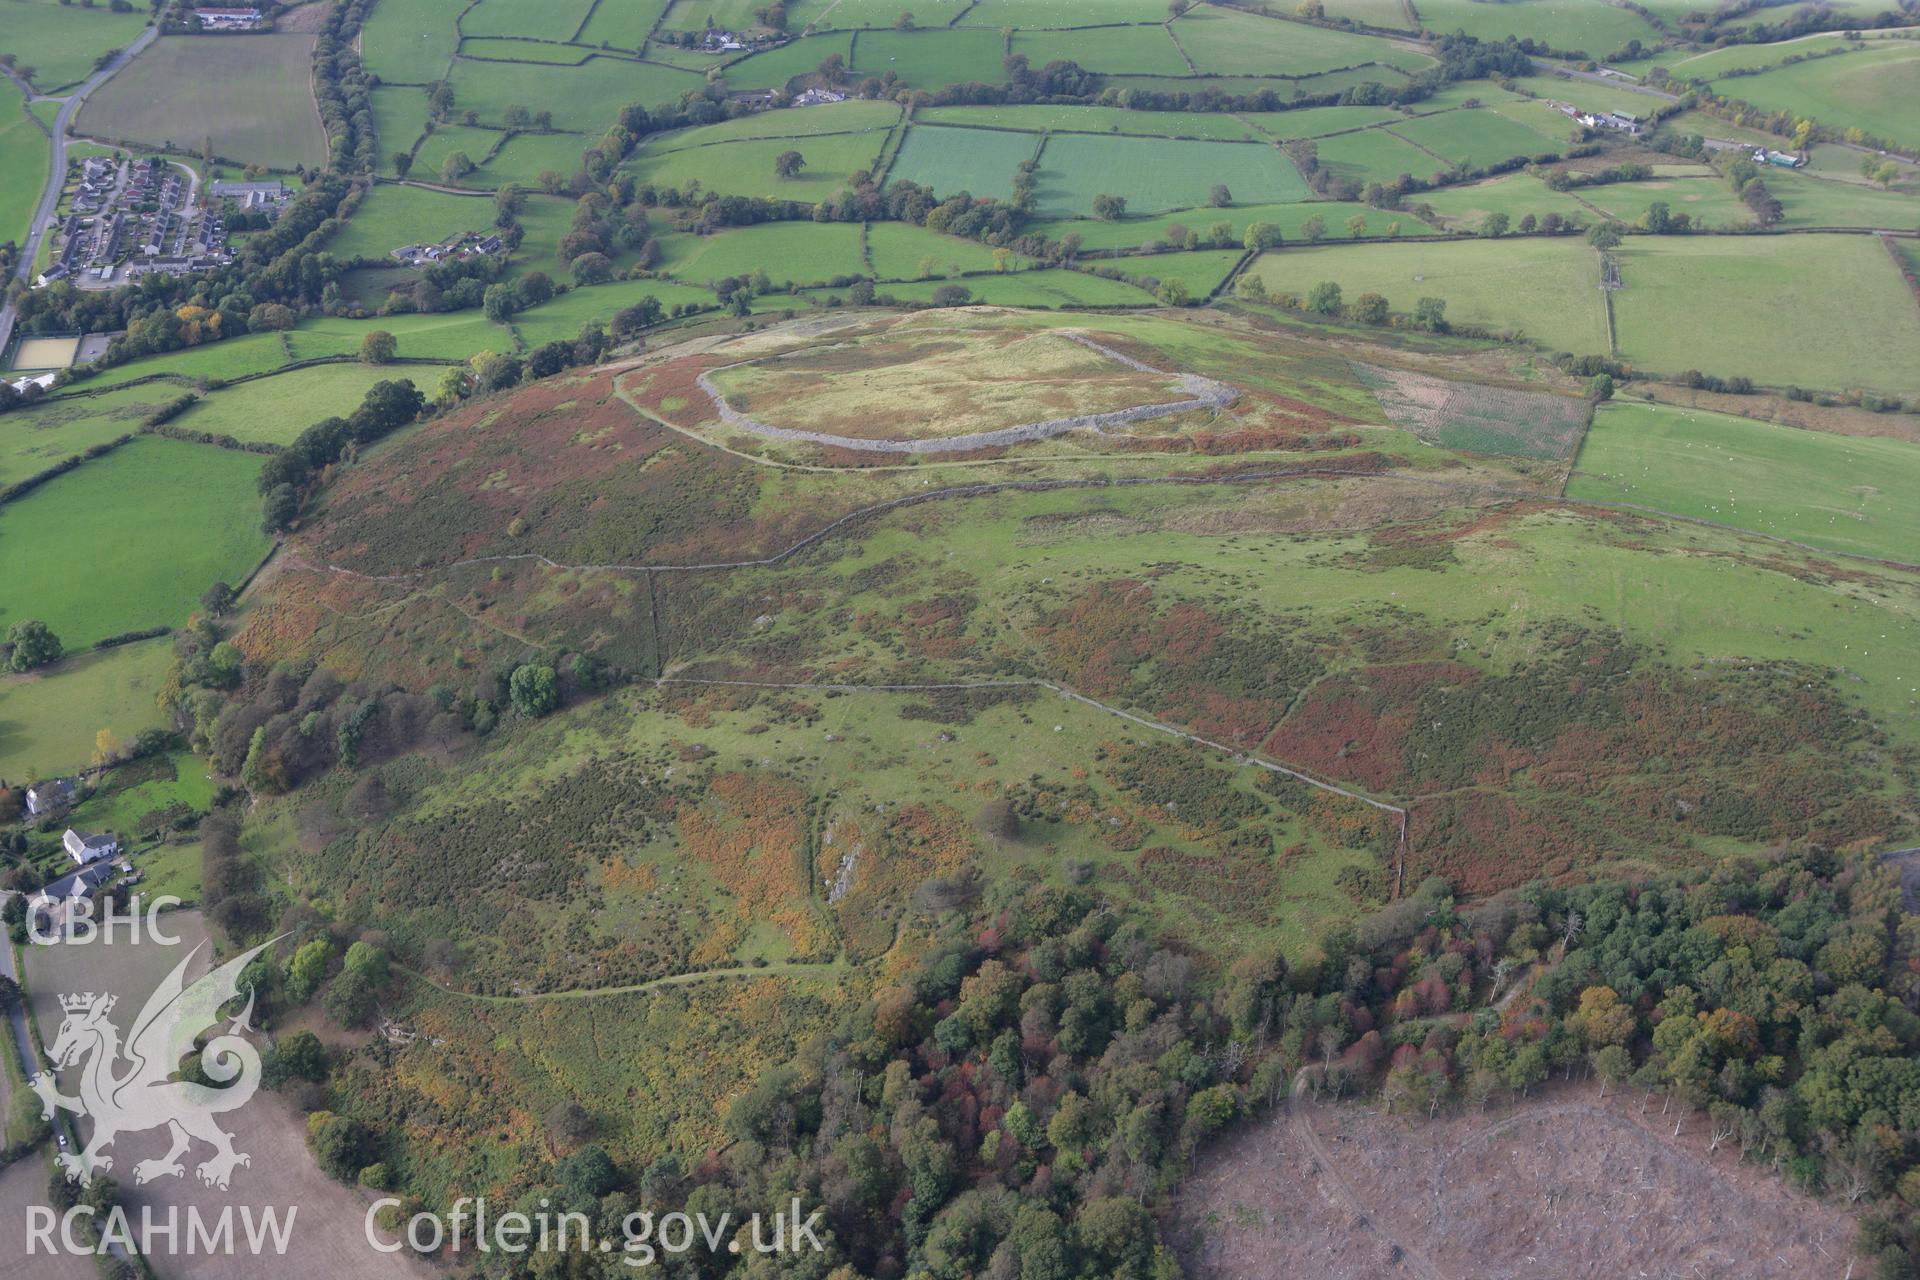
<point x="17" y="1015"/>
<point x="57" y="168"/>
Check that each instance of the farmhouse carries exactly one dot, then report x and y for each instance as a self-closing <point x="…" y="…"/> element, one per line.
<point x="816" y="96"/>
<point x="48" y="796"/>
<point x="84" y="849"/>
<point x="228" y="19"/>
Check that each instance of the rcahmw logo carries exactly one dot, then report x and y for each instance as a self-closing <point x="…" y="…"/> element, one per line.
<point x="125" y="1087"/>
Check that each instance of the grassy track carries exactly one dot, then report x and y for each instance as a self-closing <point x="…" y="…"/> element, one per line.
<point x="154" y="523"/>
<point x="1778" y="309"/>
<point x="249" y="97"/>
<point x="1840" y="493"/>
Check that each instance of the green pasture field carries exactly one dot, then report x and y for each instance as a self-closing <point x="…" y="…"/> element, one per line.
<point x="851" y="116"/>
<point x="1538" y="116"/>
<point x="745" y="168"/>
<point x="153" y="524"/>
<point x="548" y="20"/>
<point x="980" y="161"/>
<point x="1874" y="89"/>
<point x="24" y="152"/>
<point x="1055" y="287"/>
<point x="511" y="49"/>
<point x="1710" y="202"/>
<point x="1285" y="87"/>
<point x="802" y="252"/>
<point x="1476" y="137"/>
<point x="37" y="436"/>
<point x="1548" y="290"/>
<point x="1514" y="194"/>
<point x="525" y="156"/>
<point x="1315" y="122"/>
<point x="1593" y="29"/>
<point x="896" y="251"/>
<point x="448" y="335"/>
<point x="1130" y="233"/>
<point x="567" y="314"/>
<point x="622" y="24"/>
<point x="581" y="98"/>
<point x="1714" y="64"/>
<point x="58" y="42"/>
<point x="730" y="15"/>
<point x="546" y="221"/>
<point x="1058" y="13"/>
<point x="392" y="215"/>
<point x="1374" y="155"/>
<point x="930" y="59"/>
<point x="1200" y="270"/>
<point x="250" y="95"/>
<point x="1839" y="493"/>
<point x="128" y="799"/>
<point x="411" y="42"/>
<point x="1588" y="95"/>
<point x="1229" y="42"/>
<point x="48" y="719"/>
<point x="226" y="359"/>
<point x="399" y="118"/>
<point x="774" y="68"/>
<point x="1141" y="51"/>
<point x="1159" y="174"/>
<point x="1462" y="93"/>
<point x="446" y="139"/>
<point x="1391" y="14"/>
<point x="1215" y="125"/>
<point x="1821" y="202"/>
<point x="275" y="409"/>
<point x="1777" y="309"/>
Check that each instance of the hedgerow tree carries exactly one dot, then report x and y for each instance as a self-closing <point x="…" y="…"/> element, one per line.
<point x="31" y="643"/>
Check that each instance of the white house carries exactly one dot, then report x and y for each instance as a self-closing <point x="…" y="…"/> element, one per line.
<point x="48" y="796"/>
<point x="89" y="848"/>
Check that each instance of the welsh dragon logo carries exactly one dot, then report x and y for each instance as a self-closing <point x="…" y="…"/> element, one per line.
<point x="129" y="1088"/>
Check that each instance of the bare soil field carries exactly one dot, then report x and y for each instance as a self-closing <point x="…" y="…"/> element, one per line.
<point x="23" y="1184"/>
<point x="1478" y="418"/>
<point x="1566" y="1186"/>
<point x="327" y="1238"/>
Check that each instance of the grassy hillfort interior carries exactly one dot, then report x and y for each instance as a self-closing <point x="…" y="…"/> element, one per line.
<point x="1058" y="639"/>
